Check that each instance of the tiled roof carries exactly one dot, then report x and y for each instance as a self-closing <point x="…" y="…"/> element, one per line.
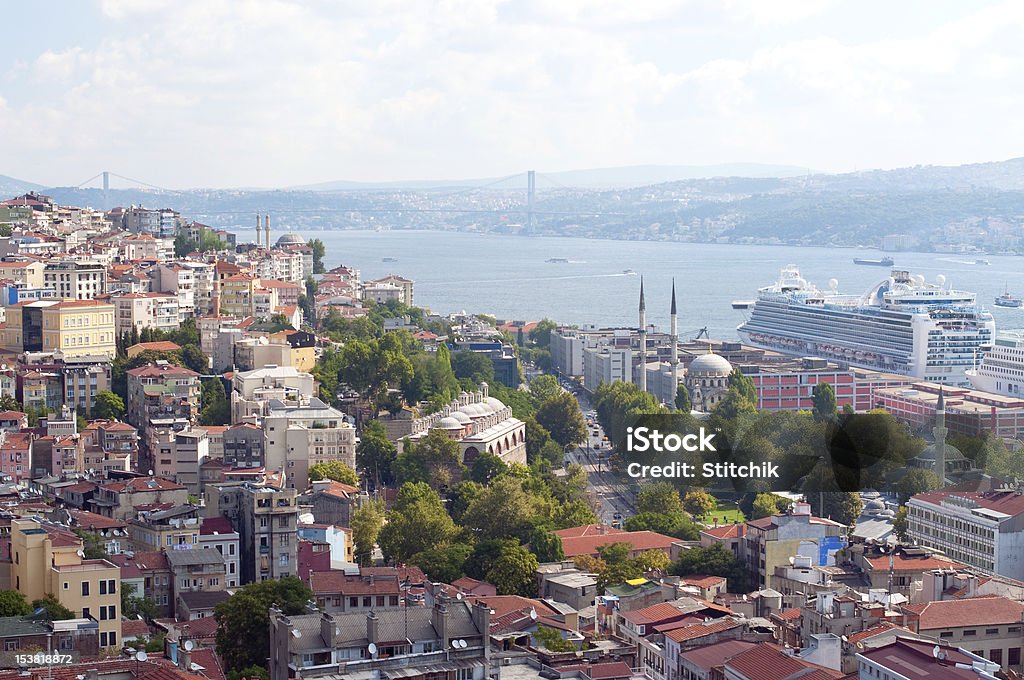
<point x="883" y="627"/>
<point x="769" y="662"/>
<point x="699" y="630"/>
<point x="789" y="614"/>
<point x="338" y="490"/>
<point x="901" y="562"/>
<point x="974" y="611"/>
<point x="702" y="581"/>
<point x="637" y="540"/>
<point x="726" y="531"/>
<point x="1008" y="502"/>
<point x="328" y="582"/>
<point x="586" y="530"/>
<point x="131" y="628"/>
<point x="656" y="613"/>
<point x="159" y="346"/>
<point x="138" y="484"/>
<point x="711" y="656"/>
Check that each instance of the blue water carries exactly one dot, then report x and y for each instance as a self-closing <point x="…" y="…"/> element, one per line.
<point x="507" y="276"/>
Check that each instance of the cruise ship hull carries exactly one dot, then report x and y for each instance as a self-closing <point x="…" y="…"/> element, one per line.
<point x="1001" y="370"/>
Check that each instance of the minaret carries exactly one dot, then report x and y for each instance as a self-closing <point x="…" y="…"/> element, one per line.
<point x="674" y="355"/>
<point x="266" y="231"/>
<point x="940" y="437"/>
<point x="643" y="339"/>
<point x="257" y="230"/>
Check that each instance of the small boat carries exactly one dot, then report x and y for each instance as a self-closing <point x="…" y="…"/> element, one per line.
<point x="388" y="259"/>
<point x="629" y="272"/>
<point x="984" y="262"/>
<point x="558" y="260"/>
<point x="1008" y="299"/>
<point x="884" y="262"/>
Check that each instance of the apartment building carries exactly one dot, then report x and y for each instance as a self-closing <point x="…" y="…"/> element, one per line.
<point x="70" y="328"/>
<point x="46" y="560"/>
<point x="265" y="519"/>
<point x="75" y="279"/>
<point x="159" y="311"/>
<point x="163" y="399"/>
<point x="299" y="436"/>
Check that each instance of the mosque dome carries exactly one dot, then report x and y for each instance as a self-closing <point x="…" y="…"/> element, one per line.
<point x="291" y="240"/>
<point x="874" y="507"/>
<point x="495" y="404"/>
<point x="462" y="417"/>
<point x="473" y="410"/>
<point x="449" y="423"/>
<point x="710" y="364"/>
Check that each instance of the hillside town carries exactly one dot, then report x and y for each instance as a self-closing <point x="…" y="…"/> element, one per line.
<point x="221" y="459"/>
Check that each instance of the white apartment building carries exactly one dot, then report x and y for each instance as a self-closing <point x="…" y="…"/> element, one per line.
<point x="180" y="280"/>
<point x="301" y="435"/>
<point x="146" y="310"/>
<point x="75" y="280"/>
<point x="984" y="530"/>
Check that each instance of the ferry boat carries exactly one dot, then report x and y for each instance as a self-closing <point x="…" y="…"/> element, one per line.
<point x="558" y="260"/>
<point x="902" y="325"/>
<point x="1008" y="299"/>
<point x="1002" y="366"/>
<point x="388" y="259"/>
<point x="884" y="262"/>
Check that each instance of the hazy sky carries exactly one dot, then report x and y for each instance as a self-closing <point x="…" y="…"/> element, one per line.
<point x="244" y="93"/>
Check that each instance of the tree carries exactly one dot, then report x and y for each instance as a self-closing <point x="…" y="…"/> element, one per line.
<point x="716" y="560"/>
<point x="901" y="524"/>
<point x="9" y="403"/>
<point x="250" y="673"/>
<point x="473" y="367"/>
<point x="334" y="469"/>
<point x="541" y="333"/>
<point x="652" y="561"/>
<point x="699" y="503"/>
<point x="552" y="640"/>
<point x="417" y="522"/>
<point x="12" y="603"/>
<point x="444" y="564"/>
<point x="194" y="359"/>
<point x="683" y="399"/>
<point x="108" y="406"/>
<point x="375" y="454"/>
<point x="132" y="606"/>
<point x="678" y="524"/>
<point x="824" y="398"/>
<point x="487" y="467"/>
<point x="841" y="506"/>
<point x="546" y="546"/>
<point x="513" y="572"/>
<point x="319" y="250"/>
<point x="216" y="410"/>
<point x="366" y="522"/>
<point x="244" y="619"/>
<point x="917" y="480"/>
<point x="660" y="497"/>
<point x="435" y="459"/>
<point x="92" y="545"/>
<point x="53" y="610"/>
<point x="561" y="417"/>
<point x="767" y="504"/>
<point x="544" y="387"/>
<point x="502" y="509"/>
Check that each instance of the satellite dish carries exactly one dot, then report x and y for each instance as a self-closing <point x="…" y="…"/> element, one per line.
<point x="150" y="473"/>
<point x="81" y="553"/>
<point x="296" y="634"/>
<point x="833" y="284"/>
<point x="371" y="648"/>
<point x="463" y="644"/>
<point x="936" y="650"/>
<point x="940" y="279"/>
<point x="458" y="596"/>
<point x="533" y="614"/>
<point x="189" y="645"/>
<point x="91" y="472"/>
<point x="141" y="655"/>
<point x="493" y="612"/>
<point x="455" y="644"/>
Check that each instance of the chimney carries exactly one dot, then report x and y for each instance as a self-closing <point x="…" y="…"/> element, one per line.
<point x="371" y="627"/>
<point x="185" y="660"/>
<point x="439" y="618"/>
<point x="327" y="628"/>
<point x="482" y="620"/>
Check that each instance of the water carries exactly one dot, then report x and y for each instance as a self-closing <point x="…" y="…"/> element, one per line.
<point x="507" y="276"/>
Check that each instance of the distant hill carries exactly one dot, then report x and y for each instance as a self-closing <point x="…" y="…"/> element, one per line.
<point x="11" y="187"/>
<point x="592" y="178"/>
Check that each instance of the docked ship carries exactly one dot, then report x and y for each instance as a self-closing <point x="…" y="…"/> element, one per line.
<point x="884" y="262"/>
<point x="1002" y="367"/>
<point x="902" y="325"/>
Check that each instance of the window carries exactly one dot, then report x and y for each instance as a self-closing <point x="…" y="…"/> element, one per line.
<point x="1013" y="658"/>
<point x="213" y="581"/>
<point x="103" y="587"/>
<point x="991" y="631"/>
<point x="393" y="601"/>
<point x="10" y="645"/>
<point x="86" y="613"/>
<point x="969" y="633"/>
<point x="184" y="583"/>
<point x="67" y="586"/>
<point x="367" y="601"/>
<point x="353" y="602"/>
<point x="85" y="589"/>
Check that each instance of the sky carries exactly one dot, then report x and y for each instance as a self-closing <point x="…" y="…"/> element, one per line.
<point x="276" y="93"/>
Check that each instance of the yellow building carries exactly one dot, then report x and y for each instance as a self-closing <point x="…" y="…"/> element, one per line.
<point x="72" y="328"/>
<point x="237" y="295"/>
<point x="25" y="273"/>
<point x="47" y="560"/>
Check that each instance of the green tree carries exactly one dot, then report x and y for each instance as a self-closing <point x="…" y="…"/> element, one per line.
<point x="53" y="610"/>
<point x="435" y="459"/>
<point x="92" y="545"/>
<point x="12" y="603"/>
<point x="683" y="399"/>
<point x="375" y="454"/>
<point x="487" y="467"/>
<point x="546" y="546"/>
<point x="244" y="619"/>
<point x="552" y="640"/>
<point x="541" y="333"/>
<point x="917" y="480"/>
<point x="824" y="398"/>
<point x="108" y="406"/>
<point x="678" y="524"/>
<point x="417" y="522"/>
<point x="443" y="564"/>
<point x="652" y="561"/>
<point x="334" y="469"/>
<point x="561" y="417"/>
<point x="840" y="506"/>
<point x="659" y="497"/>
<point x="699" y="503"/>
<point x="545" y="387"/>
<point x="366" y="522"/>
<point x="768" y="504"/>
<point x="133" y="606"/>
<point x="473" y="367"/>
<point x="502" y="509"/>
<point x="716" y="560"/>
<point x="250" y="673"/>
<point x="216" y="410"/>
<point x="901" y="524"/>
<point x="9" y="403"/>
<point x="319" y="250"/>
<point x="513" y="572"/>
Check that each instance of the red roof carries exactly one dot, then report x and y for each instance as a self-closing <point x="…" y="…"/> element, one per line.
<point x="140" y="484"/>
<point x="656" y="613"/>
<point x="606" y="671"/>
<point x="131" y="628"/>
<point x="789" y="614"/>
<point x="901" y="562"/>
<point x="974" y="611"/>
<point x="218" y="525"/>
<point x="769" y="662"/>
<point x="328" y="582"/>
<point x="637" y="540"/>
<point x="505" y="604"/>
<point x="916" y="659"/>
<point x="702" y="581"/>
<point x="714" y="655"/>
<point x="1008" y="502"/>
<point x="699" y="630"/>
<point x="12" y="415"/>
<point x="883" y="627"/>
<point x="159" y="346"/>
<point x="337" y="489"/>
<point x="587" y="530"/>
<point x="726" y="531"/>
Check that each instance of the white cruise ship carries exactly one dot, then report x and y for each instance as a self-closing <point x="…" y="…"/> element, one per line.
<point x="1002" y="367"/>
<point x="903" y="325"/>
